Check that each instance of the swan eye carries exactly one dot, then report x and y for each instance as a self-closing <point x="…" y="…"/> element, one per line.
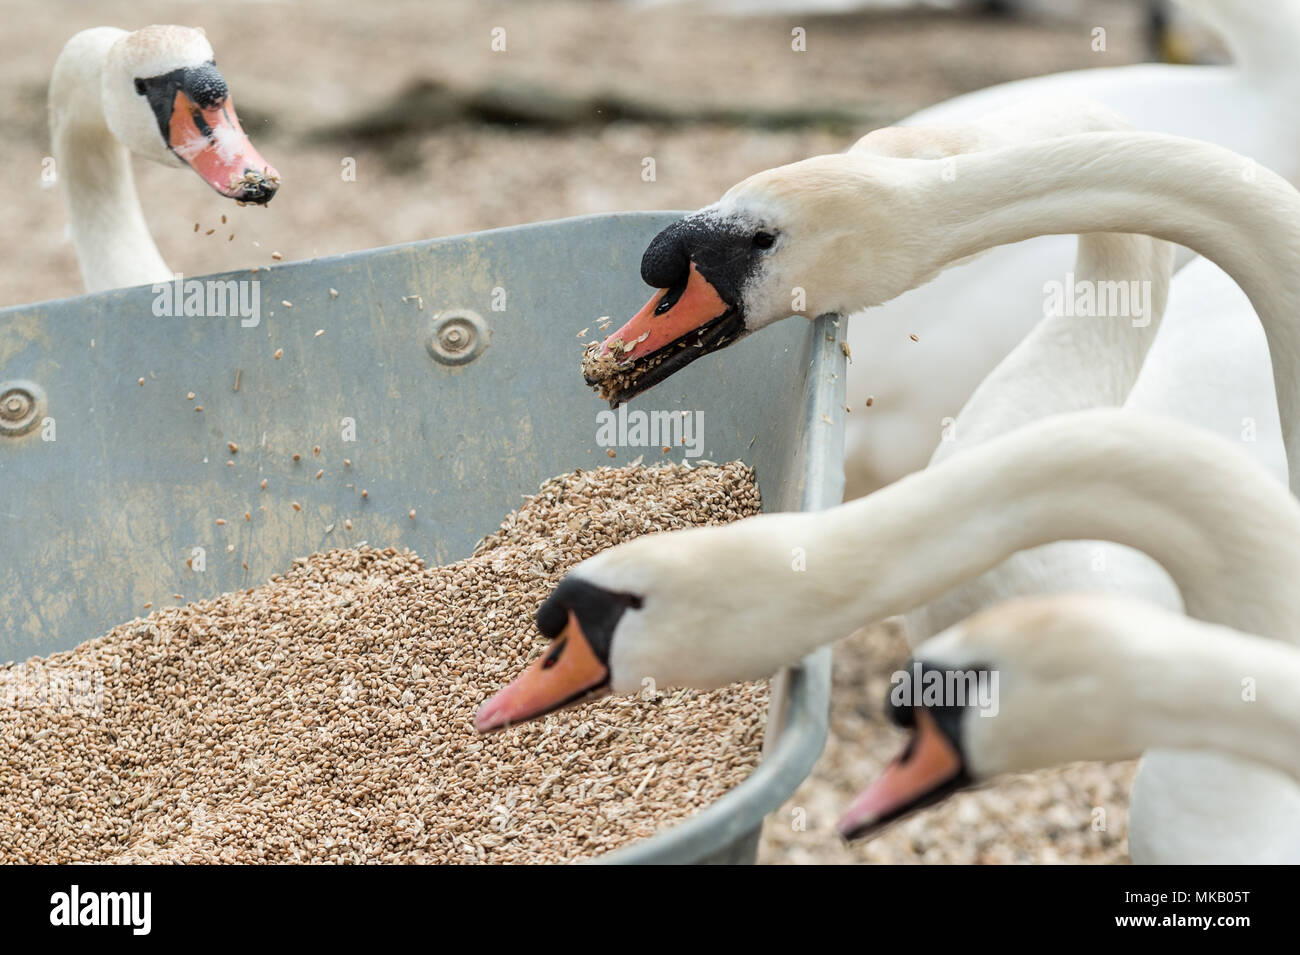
<point x="139" y="86"/>
<point x="763" y="240"/>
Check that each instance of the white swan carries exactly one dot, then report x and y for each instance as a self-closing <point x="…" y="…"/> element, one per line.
<point x="708" y="606"/>
<point x="1092" y="677"/>
<point x="972" y="315"/>
<point x="1067" y="362"/>
<point x="967" y="318"/>
<point x="854" y="229"/>
<point x="849" y="231"/>
<point x="155" y="93"/>
<point x="1210" y="367"/>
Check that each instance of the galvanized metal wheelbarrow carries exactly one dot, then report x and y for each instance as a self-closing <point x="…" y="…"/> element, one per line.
<point x="444" y="372"/>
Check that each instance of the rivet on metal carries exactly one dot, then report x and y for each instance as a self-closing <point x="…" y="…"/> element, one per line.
<point x="20" y="407"/>
<point x="457" y="336"/>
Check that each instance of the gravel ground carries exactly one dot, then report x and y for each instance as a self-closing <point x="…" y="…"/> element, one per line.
<point x="305" y="66"/>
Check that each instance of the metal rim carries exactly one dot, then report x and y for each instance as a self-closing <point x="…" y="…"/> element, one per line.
<point x="803" y="727"/>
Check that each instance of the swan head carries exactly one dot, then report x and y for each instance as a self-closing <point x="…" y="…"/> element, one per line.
<point x="1025" y="685"/>
<point x="164" y="98"/>
<point x="828" y="234"/>
<point x="665" y="610"/>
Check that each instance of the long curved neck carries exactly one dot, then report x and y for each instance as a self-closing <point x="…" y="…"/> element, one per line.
<point x="112" y="241"/>
<point x="1169" y="682"/>
<point x="1241" y="216"/>
<point x="1098" y="321"/>
<point x="1098" y="325"/>
<point x="1226" y="532"/>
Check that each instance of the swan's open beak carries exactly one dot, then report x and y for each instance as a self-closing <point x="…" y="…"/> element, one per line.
<point x="677" y="326"/>
<point x="924" y="773"/>
<point x="568" y="672"/>
<point x="215" y="146"/>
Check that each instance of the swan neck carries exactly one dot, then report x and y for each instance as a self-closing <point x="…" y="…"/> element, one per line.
<point x="1090" y="476"/>
<point x="1229" y="692"/>
<point x="1241" y="216"/>
<point x="1099" y="322"/>
<point x="112" y="240"/>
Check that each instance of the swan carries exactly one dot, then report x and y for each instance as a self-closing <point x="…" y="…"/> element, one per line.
<point x="157" y="93"/>
<point x="708" y="606"/>
<point x="1085" y="676"/>
<point x="973" y="314"/>
<point x="1210" y="366"/>
<point x="970" y="208"/>
<point x="966" y="319"/>
<point x="848" y="231"/>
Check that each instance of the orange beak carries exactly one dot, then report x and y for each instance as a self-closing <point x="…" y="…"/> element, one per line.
<point x="215" y="146"/>
<point x="665" y="335"/>
<point x="927" y="770"/>
<point x="650" y="330"/>
<point x="568" y="672"/>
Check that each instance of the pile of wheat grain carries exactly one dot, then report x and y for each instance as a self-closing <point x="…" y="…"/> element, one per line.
<point x="327" y="715"/>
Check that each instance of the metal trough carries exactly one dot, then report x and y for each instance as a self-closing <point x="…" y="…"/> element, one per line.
<point x="445" y="371"/>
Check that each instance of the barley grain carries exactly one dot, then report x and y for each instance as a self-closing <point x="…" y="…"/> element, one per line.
<point x="326" y="716"/>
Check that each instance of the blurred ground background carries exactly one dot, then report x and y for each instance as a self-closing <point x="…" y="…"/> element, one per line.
<point x="449" y="136"/>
